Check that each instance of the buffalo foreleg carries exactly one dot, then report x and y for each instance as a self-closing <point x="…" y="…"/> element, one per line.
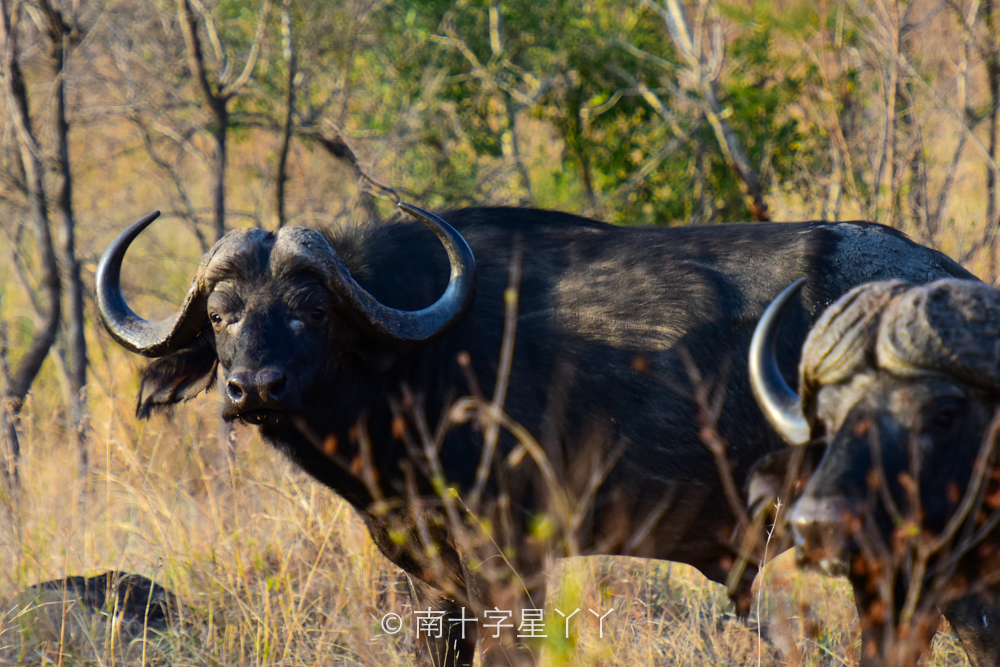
<point x="456" y="646"/>
<point x="884" y="640"/>
<point x="509" y="637"/>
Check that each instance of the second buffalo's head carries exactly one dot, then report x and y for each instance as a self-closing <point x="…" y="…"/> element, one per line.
<point x="272" y="314"/>
<point x="898" y="387"/>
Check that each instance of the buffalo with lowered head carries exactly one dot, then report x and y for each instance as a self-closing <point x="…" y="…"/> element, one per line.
<point x="899" y="387"/>
<point x="344" y="347"/>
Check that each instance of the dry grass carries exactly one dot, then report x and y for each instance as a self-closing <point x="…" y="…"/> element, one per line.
<point x="276" y="570"/>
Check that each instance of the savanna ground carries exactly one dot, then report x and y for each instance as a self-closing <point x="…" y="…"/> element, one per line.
<point x="887" y="111"/>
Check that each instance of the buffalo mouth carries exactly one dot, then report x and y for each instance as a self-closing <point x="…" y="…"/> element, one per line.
<point x="823" y="529"/>
<point x="261" y="417"/>
<point x="824" y="547"/>
<point x="829" y="561"/>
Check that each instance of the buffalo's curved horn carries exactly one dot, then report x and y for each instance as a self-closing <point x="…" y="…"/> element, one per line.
<point x="420" y="326"/>
<point x="150" y="339"/>
<point x="777" y="400"/>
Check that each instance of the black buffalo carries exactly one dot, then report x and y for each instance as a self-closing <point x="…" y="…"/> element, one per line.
<point x="340" y="349"/>
<point x="899" y="387"/>
<point x="115" y="611"/>
<point x="138" y="602"/>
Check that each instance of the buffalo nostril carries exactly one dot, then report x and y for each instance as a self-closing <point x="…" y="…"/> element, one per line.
<point x="809" y="510"/>
<point x="271" y="384"/>
<point x="276" y="388"/>
<point x="237" y="388"/>
<point x="236" y="392"/>
<point x="254" y="390"/>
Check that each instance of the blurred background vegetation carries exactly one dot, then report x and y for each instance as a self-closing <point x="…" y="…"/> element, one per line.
<point x="236" y="113"/>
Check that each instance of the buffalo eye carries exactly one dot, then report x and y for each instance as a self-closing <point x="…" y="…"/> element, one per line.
<point x="215" y="318"/>
<point x="317" y="314"/>
<point x="944" y="417"/>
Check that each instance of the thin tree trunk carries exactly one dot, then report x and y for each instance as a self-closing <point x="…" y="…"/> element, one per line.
<point x="510" y="149"/>
<point x="219" y="179"/>
<point x="912" y="169"/>
<point x="993" y="81"/>
<point x="573" y="135"/>
<point x="935" y="222"/>
<point x="705" y="71"/>
<point x="76" y="340"/>
<point x="23" y="376"/>
<point x="217" y="97"/>
<point x="217" y="104"/>
<point x="288" y="51"/>
<point x="831" y="207"/>
<point x="522" y="169"/>
<point x="883" y="195"/>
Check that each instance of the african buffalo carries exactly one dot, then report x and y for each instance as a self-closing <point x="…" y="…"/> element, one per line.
<point x="81" y="615"/>
<point x="899" y="387"/>
<point x="338" y="347"/>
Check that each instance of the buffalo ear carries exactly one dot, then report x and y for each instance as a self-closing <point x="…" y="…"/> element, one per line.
<point x="177" y="377"/>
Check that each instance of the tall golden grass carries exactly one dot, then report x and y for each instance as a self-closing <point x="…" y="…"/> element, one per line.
<point x="274" y="569"/>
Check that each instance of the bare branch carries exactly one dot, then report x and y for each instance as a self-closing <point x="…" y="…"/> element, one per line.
<point x="213" y="34"/>
<point x="31" y="362"/>
<point x="935" y="221"/>
<point x="288" y="52"/>
<point x="704" y="72"/>
<point x="59" y="41"/>
<point x="196" y="59"/>
<point x="230" y="89"/>
<point x="889" y="77"/>
<point x="339" y="148"/>
<point x="190" y="217"/>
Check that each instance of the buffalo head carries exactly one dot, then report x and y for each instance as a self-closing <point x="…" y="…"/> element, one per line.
<point x="273" y="313"/>
<point x="899" y="385"/>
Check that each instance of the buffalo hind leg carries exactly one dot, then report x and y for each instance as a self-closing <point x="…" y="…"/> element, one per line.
<point x="456" y="647"/>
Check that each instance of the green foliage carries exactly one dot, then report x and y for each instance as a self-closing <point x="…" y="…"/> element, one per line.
<point x="538" y="103"/>
<point x="576" y="68"/>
